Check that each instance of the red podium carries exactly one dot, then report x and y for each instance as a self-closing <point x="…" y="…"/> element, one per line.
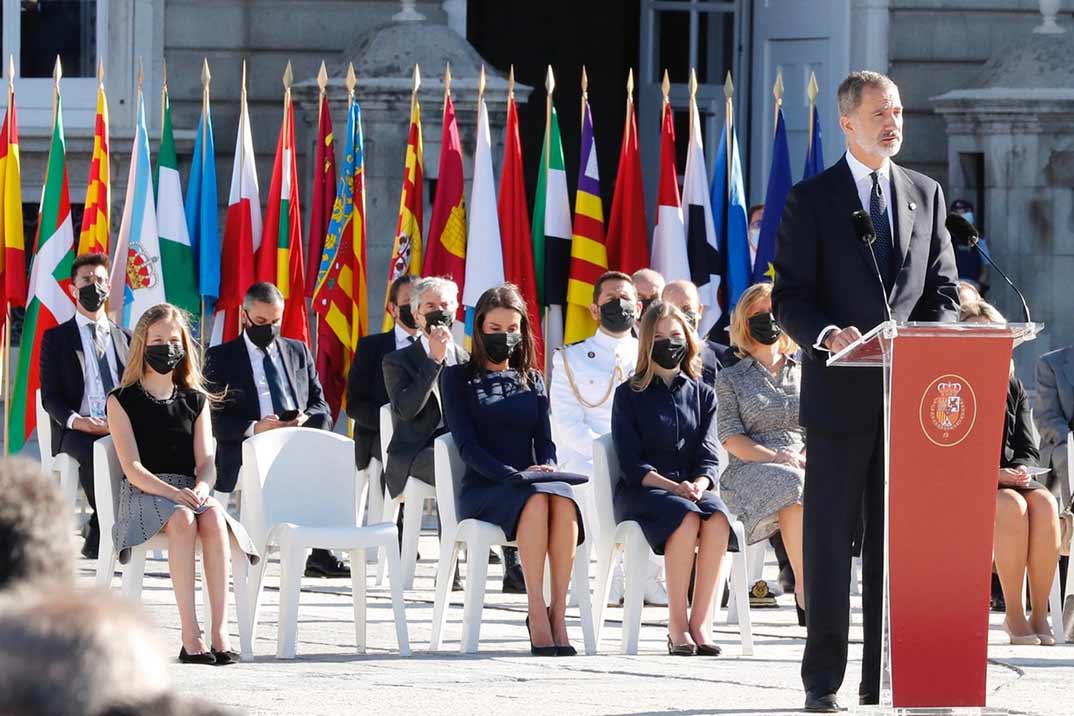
<point x="945" y="389"/>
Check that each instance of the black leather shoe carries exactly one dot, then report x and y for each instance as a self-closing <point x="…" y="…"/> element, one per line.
<point x="513" y="581"/>
<point x="322" y="563"/>
<point x="205" y="657"/>
<point x="456" y="582"/>
<point x="493" y="557"/>
<point x="225" y="658"/>
<point x="822" y="704"/>
<point x="869" y="699"/>
<point x="92" y="545"/>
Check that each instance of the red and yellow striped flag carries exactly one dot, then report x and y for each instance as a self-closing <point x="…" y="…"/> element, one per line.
<point x="96" y="216"/>
<point x="407" y="252"/>
<point x="13" y="256"/>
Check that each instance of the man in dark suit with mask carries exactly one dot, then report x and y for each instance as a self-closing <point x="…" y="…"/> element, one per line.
<point x="270" y="382"/>
<point x="82" y="361"/>
<point x="826" y="295"/>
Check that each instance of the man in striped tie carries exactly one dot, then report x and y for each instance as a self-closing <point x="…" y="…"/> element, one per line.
<point x="827" y="293"/>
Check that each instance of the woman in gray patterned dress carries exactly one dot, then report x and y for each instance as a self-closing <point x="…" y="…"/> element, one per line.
<point x="160" y="424"/>
<point x="757" y="422"/>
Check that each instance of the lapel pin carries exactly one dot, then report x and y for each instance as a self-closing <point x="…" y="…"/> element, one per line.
<point x="913" y="205"/>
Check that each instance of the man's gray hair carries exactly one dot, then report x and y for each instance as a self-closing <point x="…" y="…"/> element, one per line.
<point x="443" y="286"/>
<point x="75" y="652"/>
<point x="263" y="292"/>
<point x="851" y="89"/>
<point x="35" y="526"/>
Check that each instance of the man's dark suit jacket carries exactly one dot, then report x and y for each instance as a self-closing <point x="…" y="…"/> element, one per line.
<point x="63" y="369"/>
<point x="228" y="370"/>
<point x="409" y="376"/>
<point x="825" y="276"/>
<point x="714" y="358"/>
<point x="366" y="394"/>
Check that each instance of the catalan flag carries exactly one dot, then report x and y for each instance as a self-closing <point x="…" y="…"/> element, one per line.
<point x="340" y="297"/>
<point x="96" y="216"/>
<point x="406" y="253"/>
<point x="446" y="244"/>
<point x="589" y="257"/>
<point x="279" y="259"/>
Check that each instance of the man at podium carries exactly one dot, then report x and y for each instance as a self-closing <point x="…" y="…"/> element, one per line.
<point x="829" y="291"/>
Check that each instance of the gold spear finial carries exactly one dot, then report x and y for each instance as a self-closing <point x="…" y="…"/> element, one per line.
<point x="481" y="85"/>
<point x="813" y="89"/>
<point x="511" y="84"/>
<point x="11" y="72"/>
<point x="693" y="84"/>
<point x="585" y="83"/>
<point x="100" y="70"/>
<point x="288" y="76"/>
<point x="417" y="79"/>
<point x="665" y="86"/>
<point x="244" y="80"/>
<point x="728" y="86"/>
<point x="164" y="75"/>
<point x="550" y="81"/>
<point x="352" y="79"/>
<point x="630" y="83"/>
<point x="322" y="77"/>
<point x="141" y="74"/>
<point x="206" y="76"/>
<point x="777" y="88"/>
<point x="57" y="72"/>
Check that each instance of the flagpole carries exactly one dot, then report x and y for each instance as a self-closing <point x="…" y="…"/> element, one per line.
<point x="6" y="367"/>
<point x="322" y="83"/>
<point x="812" y="91"/>
<point x="729" y="110"/>
<point x="163" y="96"/>
<point x="777" y="92"/>
<point x="206" y="77"/>
<point x="550" y="86"/>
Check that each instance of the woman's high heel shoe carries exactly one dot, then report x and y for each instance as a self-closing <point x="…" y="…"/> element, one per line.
<point x="801" y="611"/>
<point x="1026" y="640"/>
<point x="562" y="649"/>
<point x="540" y="650"/>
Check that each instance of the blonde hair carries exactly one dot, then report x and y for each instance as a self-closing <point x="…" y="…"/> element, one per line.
<point x="187" y="373"/>
<point x="740" y="322"/>
<point x="691" y="362"/>
<point x="980" y="309"/>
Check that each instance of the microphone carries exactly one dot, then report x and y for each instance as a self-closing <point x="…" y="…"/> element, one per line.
<point x="863" y="226"/>
<point x="965" y="234"/>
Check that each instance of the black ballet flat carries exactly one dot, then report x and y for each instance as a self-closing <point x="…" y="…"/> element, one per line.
<point x="204" y="657"/>
<point x="225" y="658"/>
<point x="681" y="649"/>
<point x="708" y="650"/>
<point x="540" y="650"/>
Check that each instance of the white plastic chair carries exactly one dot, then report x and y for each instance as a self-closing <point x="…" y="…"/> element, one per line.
<point x="629" y="537"/>
<point x="299" y="493"/>
<point x="477" y="537"/>
<point x="63" y="465"/>
<point x="107" y="477"/>
<point x="371" y="499"/>
<point x="413" y="497"/>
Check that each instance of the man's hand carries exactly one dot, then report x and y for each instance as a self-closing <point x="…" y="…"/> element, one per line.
<point x="439" y="340"/>
<point x="93" y="426"/>
<point x="269" y="422"/>
<point x="839" y="339"/>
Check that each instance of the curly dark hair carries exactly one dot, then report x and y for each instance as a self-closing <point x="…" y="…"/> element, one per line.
<point x="36" y="539"/>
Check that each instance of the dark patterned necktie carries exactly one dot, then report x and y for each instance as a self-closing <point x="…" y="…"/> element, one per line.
<point x="883" y="246"/>
<point x="100" y="353"/>
<point x="281" y="399"/>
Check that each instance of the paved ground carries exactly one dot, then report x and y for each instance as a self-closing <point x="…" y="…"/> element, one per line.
<point x="329" y="679"/>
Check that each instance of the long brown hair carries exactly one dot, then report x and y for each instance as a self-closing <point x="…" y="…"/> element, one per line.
<point x="691" y="362"/>
<point x="524" y="359"/>
<point x="187" y="373"/>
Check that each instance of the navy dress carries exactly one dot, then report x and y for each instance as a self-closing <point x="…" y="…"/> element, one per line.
<point x="500" y="428"/>
<point x="669" y="429"/>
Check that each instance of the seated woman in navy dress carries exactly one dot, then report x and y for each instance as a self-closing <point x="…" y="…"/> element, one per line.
<point x="664" y="430"/>
<point x="497" y="411"/>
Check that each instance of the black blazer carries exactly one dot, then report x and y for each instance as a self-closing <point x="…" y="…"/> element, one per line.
<point x="1019" y="447"/>
<point x="366" y="394"/>
<point x="409" y="377"/>
<point x="228" y="370"/>
<point x="715" y="357"/>
<point x="63" y="369"/>
<point x="825" y="276"/>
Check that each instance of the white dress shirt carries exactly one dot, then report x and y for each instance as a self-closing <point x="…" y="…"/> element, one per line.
<point x="91" y="371"/>
<point x="863" y="182"/>
<point x="257" y="358"/>
<point x="402" y="338"/>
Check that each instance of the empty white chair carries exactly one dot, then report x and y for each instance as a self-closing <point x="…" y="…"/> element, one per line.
<point x="413" y="498"/>
<point x="629" y="536"/>
<point x="107" y="477"/>
<point x="298" y="492"/>
<point x="63" y="465"/>
<point x="477" y="537"/>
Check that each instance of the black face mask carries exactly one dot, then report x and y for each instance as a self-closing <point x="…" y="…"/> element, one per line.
<point x="764" y="329"/>
<point x="92" y="296"/>
<point x="617" y="315"/>
<point x="501" y="346"/>
<point x="164" y="357"/>
<point x="645" y="303"/>
<point x="262" y="334"/>
<point x="438" y="318"/>
<point x="406" y="316"/>
<point x="669" y="352"/>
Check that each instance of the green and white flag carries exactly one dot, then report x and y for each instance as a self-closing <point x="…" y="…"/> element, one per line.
<point x="137" y="276"/>
<point x="176" y="254"/>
